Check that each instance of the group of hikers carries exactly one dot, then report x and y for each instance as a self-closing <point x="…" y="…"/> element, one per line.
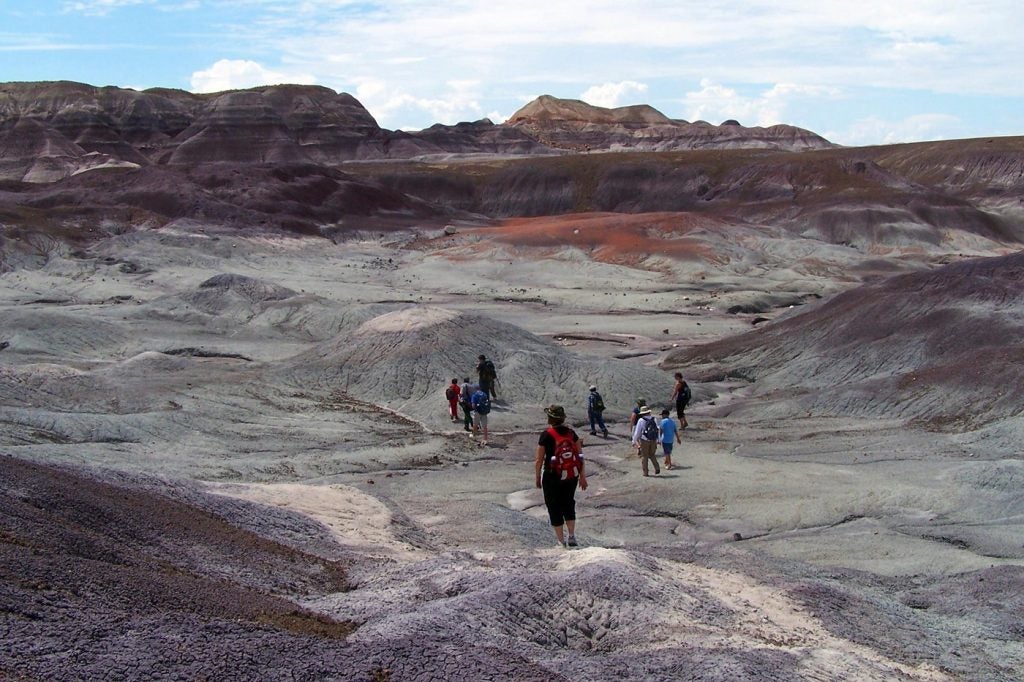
<point x="474" y="399"/>
<point x="559" y="464"/>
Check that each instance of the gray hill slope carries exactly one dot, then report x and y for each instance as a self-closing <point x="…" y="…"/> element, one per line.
<point x="404" y="359"/>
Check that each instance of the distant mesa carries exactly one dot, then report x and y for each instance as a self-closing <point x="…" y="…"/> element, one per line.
<point x="50" y="130"/>
<point x="574" y="125"/>
<point x="552" y="109"/>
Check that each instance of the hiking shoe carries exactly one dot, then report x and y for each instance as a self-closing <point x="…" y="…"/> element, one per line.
<point x="605" y="434"/>
<point x="593" y="433"/>
<point x="560" y="544"/>
<point x="571" y="542"/>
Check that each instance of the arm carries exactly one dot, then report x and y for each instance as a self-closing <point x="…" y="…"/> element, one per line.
<point x="583" y="474"/>
<point x="538" y="465"/>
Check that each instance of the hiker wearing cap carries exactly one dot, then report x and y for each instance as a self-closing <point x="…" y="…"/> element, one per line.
<point x="668" y="430"/>
<point x="559" y="469"/>
<point x="645" y="439"/>
<point x="595" y="408"/>
<point x="681" y="397"/>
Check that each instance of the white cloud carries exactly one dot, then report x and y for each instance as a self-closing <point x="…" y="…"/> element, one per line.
<point x="100" y="7"/>
<point x="232" y="74"/>
<point x="458" y="101"/>
<point x="715" y="102"/>
<point x="916" y="128"/>
<point x="610" y="95"/>
<point x="183" y="6"/>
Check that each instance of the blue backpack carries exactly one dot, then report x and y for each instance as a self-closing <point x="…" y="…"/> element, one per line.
<point x="650" y="429"/>
<point x="483" y="406"/>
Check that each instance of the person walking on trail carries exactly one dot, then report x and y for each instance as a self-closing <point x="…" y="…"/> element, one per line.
<point x="466" y="392"/>
<point x="668" y="431"/>
<point x="452" y="393"/>
<point x="481" y="409"/>
<point x="645" y="439"/>
<point x="488" y="376"/>
<point x="640" y="402"/>
<point x="559" y="469"/>
<point x="681" y="397"/>
<point x="595" y="410"/>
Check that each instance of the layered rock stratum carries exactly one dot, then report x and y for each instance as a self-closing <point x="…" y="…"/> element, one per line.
<point x="51" y="130"/>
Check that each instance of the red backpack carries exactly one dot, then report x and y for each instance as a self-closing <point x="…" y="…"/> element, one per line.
<point x="567" y="461"/>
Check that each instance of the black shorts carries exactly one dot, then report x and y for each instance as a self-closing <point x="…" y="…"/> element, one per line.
<point x="559" y="498"/>
<point x="680" y="409"/>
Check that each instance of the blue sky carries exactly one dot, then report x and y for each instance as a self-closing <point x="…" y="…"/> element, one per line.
<point x="858" y="72"/>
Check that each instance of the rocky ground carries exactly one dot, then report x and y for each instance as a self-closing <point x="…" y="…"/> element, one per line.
<point x="227" y="457"/>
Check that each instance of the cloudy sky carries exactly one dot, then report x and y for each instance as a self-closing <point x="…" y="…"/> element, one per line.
<point x="856" y="71"/>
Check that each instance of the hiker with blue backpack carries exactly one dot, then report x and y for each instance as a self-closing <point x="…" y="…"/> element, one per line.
<point x="595" y="412"/>
<point x="481" y="403"/>
<point x="559" y="470"/>
<point x="645" y="439"/>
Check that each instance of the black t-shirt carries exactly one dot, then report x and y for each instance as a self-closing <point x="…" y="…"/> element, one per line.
<point x="547" y="441"/>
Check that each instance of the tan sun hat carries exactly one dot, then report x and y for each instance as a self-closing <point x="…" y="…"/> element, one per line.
<point x="555" y="411"/>
<point x="644" y="410"/>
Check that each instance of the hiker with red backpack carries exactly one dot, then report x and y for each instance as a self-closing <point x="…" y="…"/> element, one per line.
<point x="559" y="469"/>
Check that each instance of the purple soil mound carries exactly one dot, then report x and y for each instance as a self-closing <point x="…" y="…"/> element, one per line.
<point x="105" y="580"/>
<point x="942" y="346"/>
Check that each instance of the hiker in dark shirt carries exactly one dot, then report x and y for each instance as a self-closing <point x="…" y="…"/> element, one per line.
<point x="559" y="480"/>
<point x="640" y="402"/>
<point x="488" y="376"/>
<point x="595" y="412"/>
<point x="681" y="397"/>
